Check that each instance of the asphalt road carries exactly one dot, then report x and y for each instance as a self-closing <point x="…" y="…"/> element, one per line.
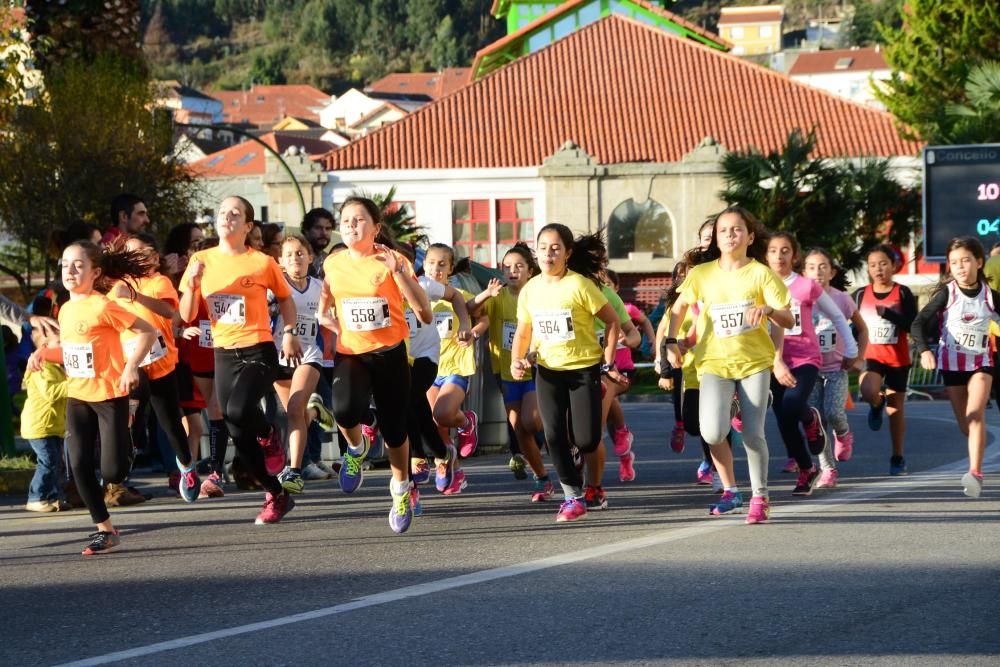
<point x="881" y="571"/>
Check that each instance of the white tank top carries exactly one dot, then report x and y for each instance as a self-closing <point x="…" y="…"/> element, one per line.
<point x="306" y="327"/>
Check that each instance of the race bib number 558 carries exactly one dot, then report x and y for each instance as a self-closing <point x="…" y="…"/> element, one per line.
<point x="366" y="313"/>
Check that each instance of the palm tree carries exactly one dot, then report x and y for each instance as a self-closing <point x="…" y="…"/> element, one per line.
<point x="980" y="118"/>
<point x="397" y="219"/>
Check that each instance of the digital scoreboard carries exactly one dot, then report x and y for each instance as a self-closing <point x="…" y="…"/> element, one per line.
<point x="961" y="196"/>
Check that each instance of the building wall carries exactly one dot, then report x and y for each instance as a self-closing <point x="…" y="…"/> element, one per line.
<point x="748" y="38"/>
<point x="855" y="86"/>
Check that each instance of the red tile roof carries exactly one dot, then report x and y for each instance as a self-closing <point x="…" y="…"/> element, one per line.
<point x="743" y="15"/>
<point x="264" y="106"/>
<point x="431" y="84"/>
<point x="625" y="92"/>
<point x="824" y="62"/>
<point x="247" y="158"/>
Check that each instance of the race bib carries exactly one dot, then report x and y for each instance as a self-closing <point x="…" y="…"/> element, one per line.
<point x="970" y="339"/>
<point x="552" y="326"/>
<point x="445" y="324"/>
<point x="227" y="308"/>
<point x="796" y="329"/>
<point x="305" y="329"/>
<point x="157" y="352"/>
<point x="205" y="338"/>
<point x="881" y="331"/>
<point x="826" y="334"/>
<point x="730" y="319"/>
<point x="508" y="335"/>
<point x="366" y="313"/>
<point x="413" y="322"/>
<point x="78" y="359"/>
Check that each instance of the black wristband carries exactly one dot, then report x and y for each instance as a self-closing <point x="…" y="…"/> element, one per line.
<point x="670" y="341"/>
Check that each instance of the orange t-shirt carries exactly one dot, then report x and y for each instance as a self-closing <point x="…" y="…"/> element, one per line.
<point x="368" y="302"/>
<point x="162" y="358"/>
<point x="234" y="288"/>
<point x="91" y="346"/>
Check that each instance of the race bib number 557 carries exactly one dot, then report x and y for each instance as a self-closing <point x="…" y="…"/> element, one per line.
<point x="730" y="319"/>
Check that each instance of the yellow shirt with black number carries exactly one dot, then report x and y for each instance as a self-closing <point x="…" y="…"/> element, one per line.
<point x="455" y="359"/>
<point x="561" y="315"/>
<point x="502" y="311"/>
<point x="728" y="347"/>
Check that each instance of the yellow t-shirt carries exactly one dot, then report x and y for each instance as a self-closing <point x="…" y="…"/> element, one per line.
<point x="502" y="311"/>
<point x="727" y="346"/>
<point x="992" y="271"/>
<point x="455" y="359"/>
<point x="688" y="369"/>
<point x="561" y="315"/>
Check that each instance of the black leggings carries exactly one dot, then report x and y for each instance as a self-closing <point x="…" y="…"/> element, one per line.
<point x="791" y="407"/>
<point x="420" y="420"/>
<point x="242" y="377"/>
<point x="567" y="400"/>
<point x="85" y="421"/>
<point x="164" y="396"/>
<point x="675" y="394"/>
<point x="692" y="423"/>
<point x="384" y="376"/>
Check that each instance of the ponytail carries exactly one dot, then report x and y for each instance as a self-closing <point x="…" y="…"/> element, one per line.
<point x="117" y="263"/>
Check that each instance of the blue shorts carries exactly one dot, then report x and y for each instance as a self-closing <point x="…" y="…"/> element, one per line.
<point x="460" y="380"/>
<point x="513" y="392"/>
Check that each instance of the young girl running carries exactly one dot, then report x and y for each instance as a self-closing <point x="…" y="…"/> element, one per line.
<point x="519" y="396"/>
<point x="557" y="308"/>
<point x="888" y="309"/>
<point x="100" y="376"/>
<point x="830" y="391"/>
<point x="368" y="284"/>
<point x="796" y="370"/>
<point x="964" y="308"/>
<point x="233" y="280"/>
<point x="734" y="353"/>
<point x="295" y="380"/>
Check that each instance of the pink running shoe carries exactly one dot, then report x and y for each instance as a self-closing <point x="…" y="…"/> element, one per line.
<point x="626" y="471"/>
<point x="843" y="446"/>
<point x="623" y="441"/>
<point x="274" y="453"/>
<point x="212" y="487"/>
<point x="468" y="437"/>
<point x="760" y="510"/>
<point x="458" y="484"/>
<point x="828" y="479"/>
<point x="704" y="474"/>
<point x="572" y="509"/>
<point x="737" y="422"/>
<point x="677" y="438"/>
<point x="275" y="507"/>
<point x="790" y="466"/>
<point x="370" y="432"/>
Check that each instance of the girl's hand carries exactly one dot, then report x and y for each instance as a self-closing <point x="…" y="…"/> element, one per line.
<point x="48" y="326"/>
<point x="291" y="349"/>
<point x="927" y="360"/>
<point x="464" y="337"/>
<point x="130" y="378"/>
<point x="388" y="258"/>
<point x="851" y="364"/>
<point x="783" y="375"/>
<point x="194" y="277"/>
<point x="493" y="287"/>
<point x="616" y="376"/>
<point x="757" y="314"/>
<point x="666" y="384"/>
<point x="190" y="333"/>
<point x="172" y="263"/>
<point x="518" y="368"/>
<point x="34" y="364"/>
<point x="674" y="356"/>
<point x="121" y="291"/>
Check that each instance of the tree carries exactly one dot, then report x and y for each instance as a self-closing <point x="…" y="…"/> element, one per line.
<point x="157" y="44"/>
<point x="397" y="219"/>
<point x="978" y="122"/>
<point x="86" y="29"/>
<point x="931" y="55"/>
<point x="863" y="28"/>
<point x="91" y="137"/>
<point x="269" y="68"/>
<point x="843" y="207"/>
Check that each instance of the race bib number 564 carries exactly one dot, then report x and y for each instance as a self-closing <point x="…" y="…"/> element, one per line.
<point x="553" y="325"/>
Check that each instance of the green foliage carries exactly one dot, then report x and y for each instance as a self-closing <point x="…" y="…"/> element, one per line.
<point x="269" y="68"/>
<point x="396" y="219"/>
<point x="845" y="208"/>
<point x="978" y="121"/>
<point x="931" y="55"/>
<point x="864" y="27"/>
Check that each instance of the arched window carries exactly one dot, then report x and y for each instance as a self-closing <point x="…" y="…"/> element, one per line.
<point x="640" y="227"/>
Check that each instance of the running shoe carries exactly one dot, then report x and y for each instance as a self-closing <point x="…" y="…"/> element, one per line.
<point x="972" y="484"/>
<point x="444" y="471"/>
<point x="468" y="437"/>
<point x="212" y="487"/>
<point x="815" y="433"/>
<point x="875" y="416"/>
<point x="370" y="431"/>
<point x="323" y="415"/>
<point x="102" y="542"/>
<point x="189" y="486"/>
<point x="518" y="466"/>
<point x="275" y="507"/>
<point x="420" y="472"/>
<point x="274" y="453"/>
<point x="543" y="490"/>
<point x="595" y="498"/>
<point x="572" y="509"/>
<point x="717" y="485"/>
<point x="677" y="438"/>
<point x="790" y="466"/>
<point x="828" y="479"/>
<point x="626" y="469"/>
<point x="401" y="512"/>
<point x="43" y="506"/>
<point x="806" y="482"/>
<point x="897" y="466"/>
<point x="623" y="441"/>
<point x="331" y="471"/>
<point x="736" y="422"/>
<point x="760" y="510"/>
<point x="704" y="474"/>
<point x="291" y="481"/>
<point x="352" y="473"/>
<point x="729" y="503"/>
<point x="843" y="446"/>
<point x="458" y="484"/>
<point x="415" y="503"/>
<point x="315" y="473"/>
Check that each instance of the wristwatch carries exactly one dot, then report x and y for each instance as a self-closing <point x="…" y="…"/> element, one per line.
<point x="607" y="368"/>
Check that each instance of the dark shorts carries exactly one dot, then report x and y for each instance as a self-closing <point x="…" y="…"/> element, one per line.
<point x="961" y="378"/>
<point x="894" y="377"/>
<point x="514" y="392"/>
<point x="285" y="373"/>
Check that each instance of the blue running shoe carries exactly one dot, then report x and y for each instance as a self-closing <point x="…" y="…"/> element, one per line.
<point x="401" y="512"/>
<point x="897" y="466"/>
<point x="729" y="502"/>
<point x="352" y="473"/>
<point x="189" y="485"/>
<point x="875" y="416"/>
<point x="444" y="471"/>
